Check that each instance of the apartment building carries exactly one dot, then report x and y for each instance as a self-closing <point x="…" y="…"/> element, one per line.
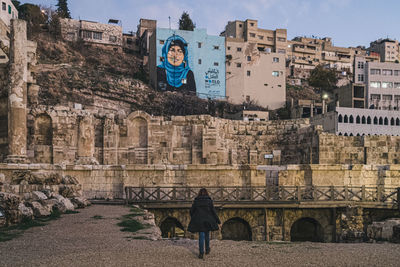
<point x="7" y="12"/>
<point x="388" y="49"/>
<point x="253" y="75"/>
<point x="92" y="32"/>
<point x="266" y="40"/>
<point x="145" y="29"/>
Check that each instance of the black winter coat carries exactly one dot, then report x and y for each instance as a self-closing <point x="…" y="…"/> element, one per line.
<point x="203" y="215"/>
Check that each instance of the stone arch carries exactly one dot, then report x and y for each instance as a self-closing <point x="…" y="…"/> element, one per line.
<point x="236" y="229"/>
<point x="386" y="121"/>
<point x="43" y="138"/>
<point x="363" y="120"/>
<point x="346" y="119"/>
<point x="172" y="227"/>
<point x="397" y="122"/>
<point x="380" y="121"/>
<point x="340" y="118"/>
<point x="351" y="119"/>
<point x="306" y="229"/>
<point x="369" y="120"/>
<point x="358" y="119"/>
<point x="392" y="121"/>
<point x="138" y="137"/>
<point x="375" y="120"/>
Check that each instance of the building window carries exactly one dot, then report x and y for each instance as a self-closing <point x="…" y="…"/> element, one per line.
<point x="387" y="85"/>
<point x="375" y="97"/>
<point x="239" y="65"/>
<point x="199" y="61"/>
<point x="113" y="38"/>
<point x="248" y="73"/>
<point x="375" y="72"/>
<point x="387" y="72"/>
<point x="360" y="77"/>
<point x="216" y="64"/>
<point x="275" y="73"/>
<point x="4" y="6"/>
<point x="239" y="49"/>
<point x="216" y="47"/>
<point x="97" y="35"/>
<point x="375" y="84"/>
<point x="396" y="73"/>
<point x="281" y="39"/>
<point x="240" y="25"/>
<point x="360" y="65"/>
<point x="387" y="97"/>
<point x="129" y="41"/>
<point x="270" y="38"/>
<point x="248" y="58"/>
<point x="396" y="85"/>
<point x="251" y="24"/>
<point x="86" y="34"/>
<point x="162" y="41"/>
<point x="275" y="59"/>
<point x="260" y="37"/>
<point x="228" y="48"/>
<point x="252" y="34"/>
<point x="281" y="51"/>
<point x="199" y="45"/>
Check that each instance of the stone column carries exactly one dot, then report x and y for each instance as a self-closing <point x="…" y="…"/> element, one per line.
<point x="111" y="140"/>
<point x="86" y="141"/>
<point x="17" y="95"/>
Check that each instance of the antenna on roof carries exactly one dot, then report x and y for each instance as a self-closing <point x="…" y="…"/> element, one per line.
<point x="169" y="19"/>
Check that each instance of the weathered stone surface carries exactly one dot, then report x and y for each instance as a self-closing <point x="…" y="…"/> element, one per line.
<point x="2" y="178"/>
<point x="65" y="202"/>
<point x="80" y="202"/>
<point x="25" y="211"/>
<point x="38" y="196"/>
<point x="383" y="230"/>
<point x="67" y="179"/>
<point x="39" y="210"/>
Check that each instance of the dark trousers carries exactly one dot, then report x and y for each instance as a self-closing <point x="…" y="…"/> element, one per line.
<point x="204" y="236"/>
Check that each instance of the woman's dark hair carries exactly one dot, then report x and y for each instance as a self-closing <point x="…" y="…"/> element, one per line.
<point x="203" y="192"/>
<point x="178" y="43"/>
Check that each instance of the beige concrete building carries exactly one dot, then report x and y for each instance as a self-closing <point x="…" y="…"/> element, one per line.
<point x="8" y="12"/>
<point x="92" y="32"/>
<point x="145" y="29"/>
<point x="266" y="40"/>
<point x="388" y="49"/>
<point x="253" y="75"/>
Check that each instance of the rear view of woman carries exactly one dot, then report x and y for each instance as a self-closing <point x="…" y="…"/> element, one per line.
<point x="203" y="220"/>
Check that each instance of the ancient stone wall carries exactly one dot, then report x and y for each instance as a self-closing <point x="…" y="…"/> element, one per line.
<point x="375" y="149"/>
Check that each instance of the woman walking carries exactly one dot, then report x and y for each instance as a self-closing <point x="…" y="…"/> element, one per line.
<point x="203" y="220"/>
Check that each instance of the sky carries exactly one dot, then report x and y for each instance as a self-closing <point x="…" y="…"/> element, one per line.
<point x="347" y="22"/>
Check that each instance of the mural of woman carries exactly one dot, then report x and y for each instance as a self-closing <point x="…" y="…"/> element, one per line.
<point x="174" y="74"/>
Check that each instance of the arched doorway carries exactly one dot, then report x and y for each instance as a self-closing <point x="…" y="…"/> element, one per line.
<point x="236" y="229"/>
<point x="43" y="139"/>
<point x="306" y="229"/>
<point x="138" y="140"/>
<point x="171" y="227"/>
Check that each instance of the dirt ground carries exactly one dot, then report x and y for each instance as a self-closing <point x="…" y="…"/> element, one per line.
<point x="86" y="239"/>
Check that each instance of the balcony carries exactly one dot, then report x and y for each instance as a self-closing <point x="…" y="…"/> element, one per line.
<point x="304" y="50"/>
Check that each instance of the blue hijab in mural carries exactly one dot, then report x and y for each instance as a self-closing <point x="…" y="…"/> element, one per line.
<point x="175" y="74"/>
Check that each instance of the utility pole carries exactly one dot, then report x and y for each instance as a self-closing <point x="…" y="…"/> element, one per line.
<point x="169" y="19"/>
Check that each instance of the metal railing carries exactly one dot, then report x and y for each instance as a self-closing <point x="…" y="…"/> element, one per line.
<point x="379" y="194"/>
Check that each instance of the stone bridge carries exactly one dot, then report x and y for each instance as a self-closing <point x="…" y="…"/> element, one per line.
<point x="320" y="214"/>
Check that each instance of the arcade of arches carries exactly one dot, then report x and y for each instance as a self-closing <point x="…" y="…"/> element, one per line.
<point x="315" y="225"/>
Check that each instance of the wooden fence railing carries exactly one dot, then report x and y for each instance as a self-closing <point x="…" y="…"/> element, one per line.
<point x="258" y="194"/>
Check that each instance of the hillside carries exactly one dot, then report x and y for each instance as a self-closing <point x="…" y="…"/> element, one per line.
<point x="79" y="73"/>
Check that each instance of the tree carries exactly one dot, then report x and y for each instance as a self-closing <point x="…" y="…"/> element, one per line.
<point x="323" y="78"/>
<point x="186" y="23"/>
<point x="62" y="9"/>
<point x="33" y="16"/>
<point x="16" y="4"/>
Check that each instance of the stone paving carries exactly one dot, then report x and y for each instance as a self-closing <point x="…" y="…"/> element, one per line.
<point x="85" y="239"/>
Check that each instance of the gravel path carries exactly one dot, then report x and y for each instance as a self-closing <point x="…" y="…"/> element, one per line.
<point x="81" y="240"/>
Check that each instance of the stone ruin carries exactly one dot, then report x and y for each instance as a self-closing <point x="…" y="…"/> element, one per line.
<point x="36" y="194"/>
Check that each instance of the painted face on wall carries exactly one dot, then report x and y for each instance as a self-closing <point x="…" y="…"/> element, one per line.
<point x="175" y="55"/>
